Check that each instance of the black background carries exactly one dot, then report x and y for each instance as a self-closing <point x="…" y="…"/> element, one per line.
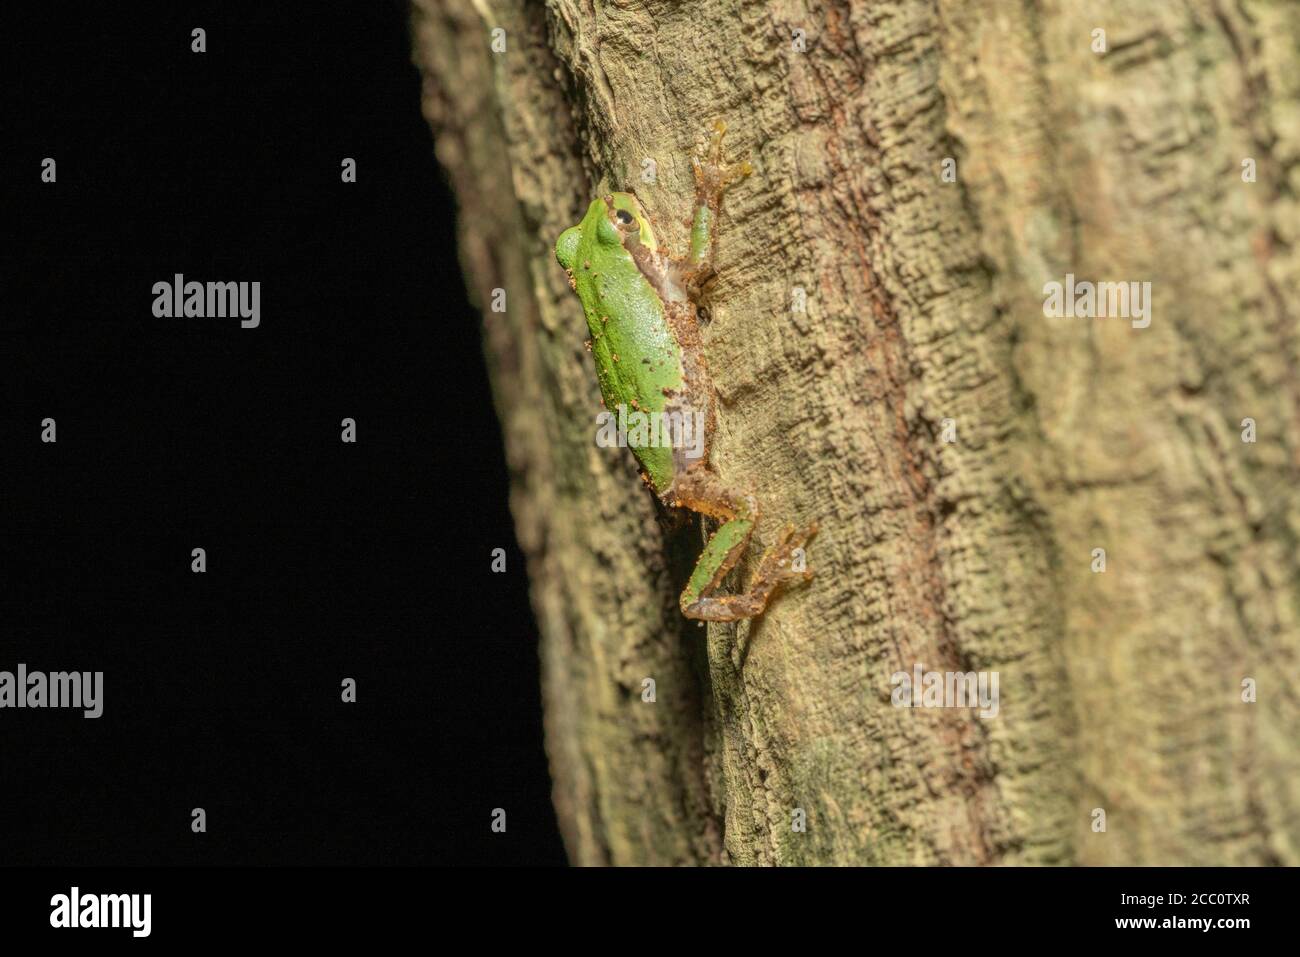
<point x="325" y="560"/>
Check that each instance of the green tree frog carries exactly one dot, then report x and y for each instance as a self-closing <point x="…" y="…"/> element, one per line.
<point x="642" y="309"/>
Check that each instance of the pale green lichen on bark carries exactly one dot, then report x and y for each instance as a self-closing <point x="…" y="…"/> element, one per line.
<point x="924" y="302"/>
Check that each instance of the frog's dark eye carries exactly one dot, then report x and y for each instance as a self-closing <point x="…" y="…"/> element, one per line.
<point x="624" y="217"/>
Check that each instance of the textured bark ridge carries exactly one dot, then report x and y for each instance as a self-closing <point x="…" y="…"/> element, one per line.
<point x="1119" y="690"/>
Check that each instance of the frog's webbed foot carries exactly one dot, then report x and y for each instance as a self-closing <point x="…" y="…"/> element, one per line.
<point x="713" y="174"/>
<point x="779" y="565"/>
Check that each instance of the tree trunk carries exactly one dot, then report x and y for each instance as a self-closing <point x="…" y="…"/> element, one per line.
<point x="964" y="452"/>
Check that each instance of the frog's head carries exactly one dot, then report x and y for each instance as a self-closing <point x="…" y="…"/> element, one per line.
<point x="614" y="219"/>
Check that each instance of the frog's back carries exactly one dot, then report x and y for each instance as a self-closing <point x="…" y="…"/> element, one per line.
<point x="638" y="361"/>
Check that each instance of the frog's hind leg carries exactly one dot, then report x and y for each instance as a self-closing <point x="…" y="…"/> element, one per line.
<point x="702" y="492"/>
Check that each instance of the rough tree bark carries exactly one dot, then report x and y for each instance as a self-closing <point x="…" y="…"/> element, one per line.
<point x="1120" y="690"/>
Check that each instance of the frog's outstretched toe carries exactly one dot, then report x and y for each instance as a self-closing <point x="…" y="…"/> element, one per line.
<point x="779" y="564"/>
<point x="713" y="174"/>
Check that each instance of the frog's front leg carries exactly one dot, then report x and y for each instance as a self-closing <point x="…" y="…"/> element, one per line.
<point x="702" y="491"/>
<point x="713" y="175"/>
